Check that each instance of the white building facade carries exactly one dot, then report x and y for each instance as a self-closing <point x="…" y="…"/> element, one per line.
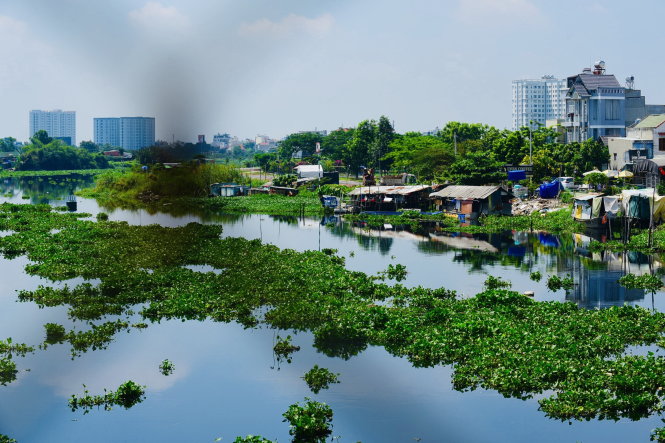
<point x="538" y="100"/>
<point x="130" y="133"/>
<point x="57" y="123"/>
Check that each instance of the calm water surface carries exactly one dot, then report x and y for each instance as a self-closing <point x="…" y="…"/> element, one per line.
<point x="226" y="383"/>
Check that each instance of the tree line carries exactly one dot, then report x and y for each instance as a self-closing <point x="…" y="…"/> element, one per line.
<point x="465" y="153"/>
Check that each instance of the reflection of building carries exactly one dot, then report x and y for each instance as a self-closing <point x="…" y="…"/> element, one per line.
<point x="58" y="124"/>
<point x="599" y="288"/>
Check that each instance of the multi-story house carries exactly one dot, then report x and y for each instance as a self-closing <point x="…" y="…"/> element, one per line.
<point x="58" y="124"/>
<point x="595" y="105"/>
<point x="537" y="100"/>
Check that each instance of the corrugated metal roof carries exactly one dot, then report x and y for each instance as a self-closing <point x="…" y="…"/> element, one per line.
<point x="466" y="192"/>
<point x="651" y="121"/>
<point x="388" y="190"/>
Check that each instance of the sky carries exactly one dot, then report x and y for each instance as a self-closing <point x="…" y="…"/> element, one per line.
<point x="251" y="67"/>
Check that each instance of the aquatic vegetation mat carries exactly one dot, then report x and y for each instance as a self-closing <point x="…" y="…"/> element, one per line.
<point x="575" y="361"/>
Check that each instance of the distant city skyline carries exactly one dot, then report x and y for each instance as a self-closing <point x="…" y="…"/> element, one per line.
<point x="275" y="68"/>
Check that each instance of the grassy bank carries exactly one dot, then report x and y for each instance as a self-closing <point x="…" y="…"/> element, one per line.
<point x="186" y="188"/>
<point x="576" y="360"/>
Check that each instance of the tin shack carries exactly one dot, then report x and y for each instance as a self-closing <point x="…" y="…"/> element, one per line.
<point x="473" y="201"/>
<point x="390" y="198"/>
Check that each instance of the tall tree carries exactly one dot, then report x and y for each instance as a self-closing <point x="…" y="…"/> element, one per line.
<point x="357" y="149"/>
<point x="89" y="146"/>
<point x="385" y="133"/>
<point x="8" y="144"/>
<point x="41" y="137"/>
<point x="303" y="141"/>
<point x="333" y="144"/>
<point x="426" y="156"/>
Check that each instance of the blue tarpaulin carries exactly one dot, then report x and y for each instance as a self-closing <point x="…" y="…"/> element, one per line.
<point x="549" y="190"/>
<point x="517" y="175"/>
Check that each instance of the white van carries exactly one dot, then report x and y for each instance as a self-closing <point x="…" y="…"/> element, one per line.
<point x="566" y="182"/>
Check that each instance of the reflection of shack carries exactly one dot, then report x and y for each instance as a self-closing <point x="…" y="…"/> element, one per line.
<point x="472" y="201"/>
<point x="390" y="198"/>
<point x="228" y="190"/>
<point x="461" y="241"/>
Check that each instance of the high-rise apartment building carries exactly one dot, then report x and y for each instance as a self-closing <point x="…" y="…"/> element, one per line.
<point x="129" y="133"/>
<point x="58" y="124"/>
<point x="538" y="100"/>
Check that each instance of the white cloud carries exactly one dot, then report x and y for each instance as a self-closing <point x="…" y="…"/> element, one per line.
<point x="154" y="15"/>
<point x="291" y="24"/>
<point x="498" y="11"/>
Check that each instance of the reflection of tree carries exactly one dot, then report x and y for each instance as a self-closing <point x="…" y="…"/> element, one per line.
<point x="45" y="189"/>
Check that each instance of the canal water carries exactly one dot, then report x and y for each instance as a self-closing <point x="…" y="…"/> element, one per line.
<point x="226" y="382"/>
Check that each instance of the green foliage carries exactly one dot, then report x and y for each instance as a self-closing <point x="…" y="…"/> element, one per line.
<point x="8" y="144"/>
<point x="55" y="333"/>
<point x="5" y="439"/>
<point x="596" y="178"/>
<point x="252" y="439"/>
<point x="301" y="141"/>
<point x="357" y="150"/>
<point x="166" y="367"/>
<point x="309" y="423"/>
<point x="566" y="197"/>
<point x="127" y="395"/>
<point x="334" y="144"/>
<point x="102" y="216"/>
<point x="286" y="180"/>
<point x="554" y="283"/>
<point x="476" y="168"/>
<point x="89" y="146"/>
<point x="535" y="276"/>
<point x="576" y="361"/>
<point x="658" y="434"/>
<point x="191" y="180"/>
<point x="426" y="156"/>
<point x="319" y="378"/>
<point x="284" y="348"/>
<point x="55" y="155"/>
<point x="496" y="283"/>
<point x="648" y="282"/>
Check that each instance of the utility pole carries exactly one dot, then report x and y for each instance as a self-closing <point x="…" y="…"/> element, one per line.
<point x="530" y="144"/>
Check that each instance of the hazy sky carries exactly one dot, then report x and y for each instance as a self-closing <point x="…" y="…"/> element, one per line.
<point x="273" y="67"/>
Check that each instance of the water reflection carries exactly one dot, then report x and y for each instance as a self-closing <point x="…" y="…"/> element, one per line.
<point x="595" y="275"/>
<point x="43" y="190"/>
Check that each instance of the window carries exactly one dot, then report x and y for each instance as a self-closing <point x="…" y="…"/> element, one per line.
<point x="661" y="144"/>
<point x="612" y="110"/>
<point x="615" y="156"/>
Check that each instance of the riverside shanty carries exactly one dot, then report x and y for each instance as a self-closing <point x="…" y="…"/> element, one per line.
<point x="390" y="198"/>
<point x="469" y="202"/>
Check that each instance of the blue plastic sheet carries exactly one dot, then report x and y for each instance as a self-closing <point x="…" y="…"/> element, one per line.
<point x="549" y="190"/>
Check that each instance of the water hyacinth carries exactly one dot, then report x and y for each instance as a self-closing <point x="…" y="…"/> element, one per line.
<point x="498" y="340"/>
